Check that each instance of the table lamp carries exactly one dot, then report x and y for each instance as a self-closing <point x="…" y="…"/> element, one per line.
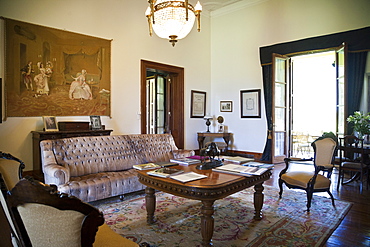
<point x="208" y="122"/>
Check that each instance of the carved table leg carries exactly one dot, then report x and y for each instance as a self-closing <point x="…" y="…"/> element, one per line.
<point x="207" y="222"/>
<point x="258" y="201"/>
<point x="150" y="204"/>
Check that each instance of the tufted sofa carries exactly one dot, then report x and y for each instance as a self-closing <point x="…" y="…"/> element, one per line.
<point x="97" y="167"/>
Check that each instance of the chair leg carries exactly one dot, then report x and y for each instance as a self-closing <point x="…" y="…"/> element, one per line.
<point x="281" y="187"/>
<point x="339" y="177"/>
<point x="332" y="198"/>
<point x="309" y="198"/>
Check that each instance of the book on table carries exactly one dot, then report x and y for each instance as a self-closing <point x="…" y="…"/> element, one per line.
<point x="185" y="161"/>
<point x="237" y="159"/>
<point x="165" y="172"/>
<point x="188" y="176"/>
<point x="146" y="166"/>
<point x="240" y="170"/>
<point x="154" y="165"/>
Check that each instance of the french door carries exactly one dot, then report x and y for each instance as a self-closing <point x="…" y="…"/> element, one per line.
<point x="158" y="88"/>
<point x="341" y="78"/>
<point x="280" y="107"/>
<point x="282" y="102"/>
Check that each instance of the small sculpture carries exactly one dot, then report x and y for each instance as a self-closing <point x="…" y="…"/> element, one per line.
<point x="210" y="151"/>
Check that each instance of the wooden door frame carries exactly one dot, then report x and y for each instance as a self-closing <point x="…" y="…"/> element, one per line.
<point x="176" y="103"/>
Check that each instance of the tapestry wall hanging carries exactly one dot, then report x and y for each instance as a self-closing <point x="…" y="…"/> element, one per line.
<point x="51" y="72"/>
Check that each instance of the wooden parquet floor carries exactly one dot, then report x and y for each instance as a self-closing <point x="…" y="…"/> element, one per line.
<point x="354" y="230"/>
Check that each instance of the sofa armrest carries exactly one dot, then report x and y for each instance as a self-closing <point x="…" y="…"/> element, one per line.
<point x="182" y="153"/>
<point x="56" y="174"/>
<point x="53" y="173"/>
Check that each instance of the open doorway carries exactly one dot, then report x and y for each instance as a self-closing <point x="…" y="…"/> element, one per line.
<point x="314" y="100"/>
<point x="167" y="93"/>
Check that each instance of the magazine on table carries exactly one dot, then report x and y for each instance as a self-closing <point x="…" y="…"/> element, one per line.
<point x="260" y="165"/>
<point x="240" y="170"/>
<point x="188" y="176"/>
<point x="185" y="161"/>
<point x="165" y="172"/>
<point x="146" y="166"/>
<point x="237" y="159"/>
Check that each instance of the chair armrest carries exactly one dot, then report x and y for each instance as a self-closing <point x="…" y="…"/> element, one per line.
<point x="56" y="174"/>
<point x="182" y="153"/>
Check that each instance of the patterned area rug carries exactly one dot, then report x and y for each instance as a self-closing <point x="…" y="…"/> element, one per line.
<point x="285" y="221"/>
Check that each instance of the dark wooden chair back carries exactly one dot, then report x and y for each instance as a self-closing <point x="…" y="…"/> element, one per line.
<point x="29" y="191"/>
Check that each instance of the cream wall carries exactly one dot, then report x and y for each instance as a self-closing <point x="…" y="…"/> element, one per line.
<point x="124" y="22"/>
<point x="221" y="60"/>
<point x="237" y="35"/>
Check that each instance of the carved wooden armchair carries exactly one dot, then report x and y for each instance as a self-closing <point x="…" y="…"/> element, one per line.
<point x="310" y="181"/>
<point x="45" y="217"/>
<point x="10" y="173"/>
<point x="352" y="159"/>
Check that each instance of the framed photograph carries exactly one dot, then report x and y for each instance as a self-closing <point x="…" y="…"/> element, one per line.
<point x="50" y="123"/>
<point x="95" y="122"/>
<point x="250" y="101"/>
<point x="198" y="104"/>
<point x="226" y="106"/>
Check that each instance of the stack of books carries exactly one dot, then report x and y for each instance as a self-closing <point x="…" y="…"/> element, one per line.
<point x="185" y="161"/>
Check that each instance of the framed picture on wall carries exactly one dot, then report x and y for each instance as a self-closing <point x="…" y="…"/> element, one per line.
<point x="198" y="104"/>
<point x="95" y="122"/>
<point x="50" y="123"/>
<point x="226" y="106"/>
<point x="250" y="101"/>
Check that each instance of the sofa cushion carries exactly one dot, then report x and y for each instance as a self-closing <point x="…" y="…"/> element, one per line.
<point x="102" y="185"/>
<point x="94" y="154"/>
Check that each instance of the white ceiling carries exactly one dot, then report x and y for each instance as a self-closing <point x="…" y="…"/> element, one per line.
<point x="211" y="5"/>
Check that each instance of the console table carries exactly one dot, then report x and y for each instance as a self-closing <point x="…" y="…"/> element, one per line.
<point x="203" y="135"/>
<point x="38" y="136"/>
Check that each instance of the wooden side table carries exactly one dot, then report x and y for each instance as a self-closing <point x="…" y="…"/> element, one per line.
<point x="38" y="136"/>
<point x="202" y="135"/>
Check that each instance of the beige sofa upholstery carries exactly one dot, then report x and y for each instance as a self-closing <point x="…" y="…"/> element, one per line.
<point x="98" y="167"/>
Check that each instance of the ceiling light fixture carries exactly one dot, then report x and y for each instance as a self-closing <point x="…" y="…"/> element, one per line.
<point x="172" y="20"/>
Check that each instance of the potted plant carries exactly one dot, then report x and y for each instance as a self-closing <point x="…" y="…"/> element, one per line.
<point x="361" y="123"/>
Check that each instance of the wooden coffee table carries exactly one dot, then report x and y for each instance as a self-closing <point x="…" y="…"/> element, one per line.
<point x="216" y="186"/>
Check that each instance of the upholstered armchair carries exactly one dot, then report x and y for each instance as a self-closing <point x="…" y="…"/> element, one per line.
<point x="45" y="217"/>
<point x="309" y="180"/>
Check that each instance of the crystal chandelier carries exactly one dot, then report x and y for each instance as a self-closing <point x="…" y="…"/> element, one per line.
<point x="172" y="20"/>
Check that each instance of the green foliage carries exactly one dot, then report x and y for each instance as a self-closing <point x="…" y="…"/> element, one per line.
<point x="361" y="123"/>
